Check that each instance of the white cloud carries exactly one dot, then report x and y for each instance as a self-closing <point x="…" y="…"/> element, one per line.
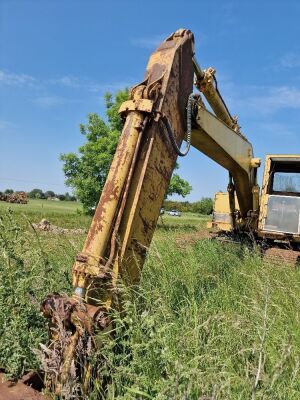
<point x="290" y="60"/>
<point x="260" y="103"/>
<point x="84" y="83"/>
<point x="259" y="99"/>
<point x="4" y="125"/>
<point x="68" y="81"/>
<point x="276" y="129"/>
<point x="267" y="100"/>
<point x="150" y="42"/>
<point x="49" y="101"/>
<point x="12" y="79"/>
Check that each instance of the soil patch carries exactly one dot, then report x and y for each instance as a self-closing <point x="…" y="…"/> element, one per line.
<point x="188" y="239"/>
<point x="26" y="388"/>
<point x="282" y="256"/>
<point x="46" y="226"/>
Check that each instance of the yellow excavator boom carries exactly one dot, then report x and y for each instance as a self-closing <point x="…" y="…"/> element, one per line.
<point x="156" y="118"/>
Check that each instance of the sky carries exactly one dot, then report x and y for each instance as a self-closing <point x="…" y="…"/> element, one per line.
<point x="58" y="58"/>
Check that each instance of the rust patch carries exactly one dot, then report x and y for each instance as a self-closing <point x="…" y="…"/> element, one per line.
<point x="147" y="224"/>
<point x="111" y="189"/>
<point x="139" y="248"/>
<point x="157" y="70"/>
<point x="68" y="311"/>
<point x="163" y="171"/>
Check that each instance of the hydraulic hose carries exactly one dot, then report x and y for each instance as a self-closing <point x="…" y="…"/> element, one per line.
<point x="168" y="128"/>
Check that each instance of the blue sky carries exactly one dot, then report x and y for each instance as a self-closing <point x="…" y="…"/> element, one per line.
<point x="58" y="58"/>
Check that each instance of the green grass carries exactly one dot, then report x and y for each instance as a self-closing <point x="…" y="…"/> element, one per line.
<point x="43" y="206"/>
<point x="67" y="214"/>
<point x="209" y="320"/>
<point x="213" y="321"/>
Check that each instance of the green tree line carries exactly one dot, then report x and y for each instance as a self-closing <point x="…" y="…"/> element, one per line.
<point x="39" y="194"/>
<point x="203" y="206"/>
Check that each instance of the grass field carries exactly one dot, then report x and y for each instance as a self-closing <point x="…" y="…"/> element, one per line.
<point x="66" y="213"/>
<point x="208" y="321"/>
<point x="43" y="206"/>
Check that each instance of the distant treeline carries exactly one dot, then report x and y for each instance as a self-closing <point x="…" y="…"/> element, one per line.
<point x="49" y="194"/>
<point x="203" y="206"/>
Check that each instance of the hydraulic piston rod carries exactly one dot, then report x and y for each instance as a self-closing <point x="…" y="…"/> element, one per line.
<point x="207" y="84"/>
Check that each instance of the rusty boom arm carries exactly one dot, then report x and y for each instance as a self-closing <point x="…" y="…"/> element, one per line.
<point x="127" y="213"/>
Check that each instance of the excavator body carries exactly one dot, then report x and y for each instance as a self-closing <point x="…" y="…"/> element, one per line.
<point x="278" y="216"/>
<point x="160" y="114"/>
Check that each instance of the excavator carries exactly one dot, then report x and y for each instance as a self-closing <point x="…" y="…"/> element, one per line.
<point x="162" y="112"/>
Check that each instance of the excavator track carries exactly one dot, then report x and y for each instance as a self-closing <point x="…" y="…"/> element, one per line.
<point x="272" y="255"/>
<point x="275" y="255"/>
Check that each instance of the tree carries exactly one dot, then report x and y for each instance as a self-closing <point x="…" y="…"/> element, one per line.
<point x="67" y="196"/>
<point x="36" y="194"/>
<point x="204" y="206"/>
<point x="49" y="193"/>
<point x="86" y="170"/>
<point x="8" y="191"/>
<point x="178" y="186"/>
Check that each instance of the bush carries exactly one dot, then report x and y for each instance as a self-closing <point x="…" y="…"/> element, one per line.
<point x="204" y="206"/>
<point x="36" y="194"/>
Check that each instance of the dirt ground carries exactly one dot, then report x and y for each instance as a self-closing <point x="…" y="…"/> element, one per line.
<point x="282" y="256"/>
<point x="26" y="388"/>
<point x="188" y="239"/>
<point x="47" y="226"/>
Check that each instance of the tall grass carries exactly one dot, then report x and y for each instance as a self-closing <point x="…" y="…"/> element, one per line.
<point x="29" y="269"/>
<point x="208" y="321"/>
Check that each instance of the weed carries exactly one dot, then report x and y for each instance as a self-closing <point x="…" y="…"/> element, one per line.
<point x="27" y="273"/>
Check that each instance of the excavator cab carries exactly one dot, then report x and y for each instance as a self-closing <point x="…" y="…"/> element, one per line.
<point x="280" y="202"/>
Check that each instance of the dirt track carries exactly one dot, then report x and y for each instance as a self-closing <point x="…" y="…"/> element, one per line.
<point x="282" y="256"/>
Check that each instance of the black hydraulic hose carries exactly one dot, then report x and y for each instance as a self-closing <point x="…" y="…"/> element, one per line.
<point x="169" y="130"/>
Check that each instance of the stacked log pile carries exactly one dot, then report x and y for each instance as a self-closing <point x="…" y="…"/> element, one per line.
<point x="16" y="197"/>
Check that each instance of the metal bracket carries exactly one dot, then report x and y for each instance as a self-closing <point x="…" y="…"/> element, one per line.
<point x="143" y="105"/>
<point x="87" y="267"/>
